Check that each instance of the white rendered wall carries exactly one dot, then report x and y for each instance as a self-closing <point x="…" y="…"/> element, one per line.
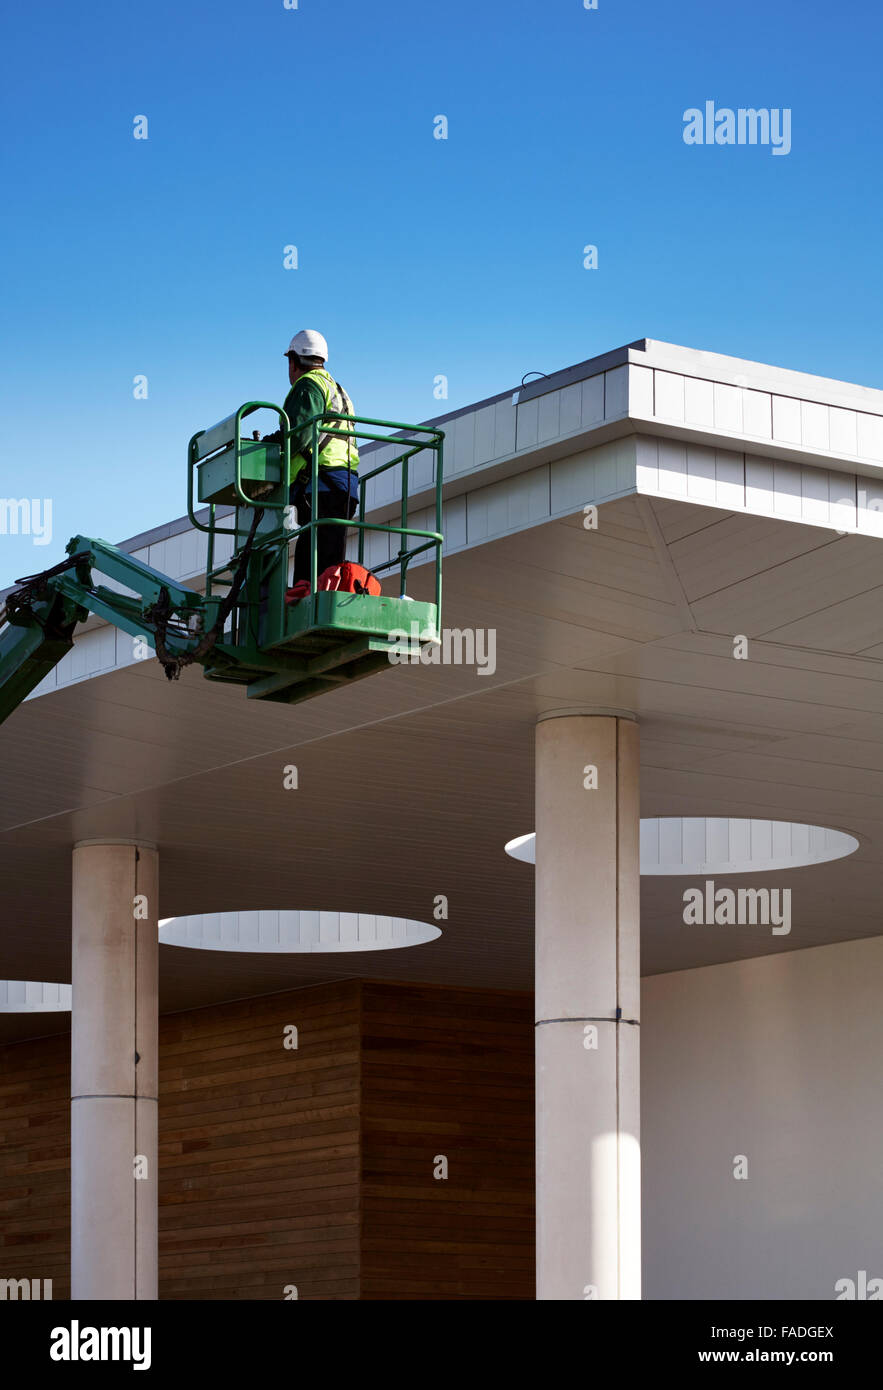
<point x="778" y="1059"/>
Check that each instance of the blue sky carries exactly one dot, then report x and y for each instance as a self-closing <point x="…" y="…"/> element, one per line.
<point x="417" y="257"/>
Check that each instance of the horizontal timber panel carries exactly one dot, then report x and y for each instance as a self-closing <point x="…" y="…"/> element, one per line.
<point x="258" y="1151"/>
<point x="447" y="1071"/>
<point x="312" y="1166"/>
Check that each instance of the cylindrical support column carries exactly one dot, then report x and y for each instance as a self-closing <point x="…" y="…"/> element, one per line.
<point x="114" y="1066"/>
<point x="588" y="1006"/>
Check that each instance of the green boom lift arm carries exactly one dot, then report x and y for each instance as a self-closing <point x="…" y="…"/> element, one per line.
<point x="241" y="629"/>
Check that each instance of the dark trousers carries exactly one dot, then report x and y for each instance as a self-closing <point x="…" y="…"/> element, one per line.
<point x="330" y="540"/>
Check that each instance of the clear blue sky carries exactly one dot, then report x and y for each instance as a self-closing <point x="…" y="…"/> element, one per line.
<point x="417" y="256"/>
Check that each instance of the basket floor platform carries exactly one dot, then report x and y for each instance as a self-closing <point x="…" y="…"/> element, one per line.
<point x="333" y="638"/>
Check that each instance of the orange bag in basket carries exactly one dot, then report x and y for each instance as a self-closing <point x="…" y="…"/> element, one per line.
<point x="349" y="578"/>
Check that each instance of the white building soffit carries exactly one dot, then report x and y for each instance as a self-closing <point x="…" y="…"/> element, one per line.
<point x="658" y="388"/>
<point x="294" y="933"/>
<point x="651" y="418"/>
<point x="647" y="382"/>
<point x="33" y="997"/>
<point x="720" y="845"/>
<point x="753" y="420"/>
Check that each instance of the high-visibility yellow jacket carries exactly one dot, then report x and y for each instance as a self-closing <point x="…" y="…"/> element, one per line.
<point x="313" y="392"/>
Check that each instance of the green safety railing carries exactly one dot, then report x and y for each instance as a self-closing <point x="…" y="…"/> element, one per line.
<point x="413" y="439"/>
<point x="219" y="437"/>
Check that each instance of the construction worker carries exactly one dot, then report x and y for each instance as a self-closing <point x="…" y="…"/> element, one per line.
<point x="314" y="391"/>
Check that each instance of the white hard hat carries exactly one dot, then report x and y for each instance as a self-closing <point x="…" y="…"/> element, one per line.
<point x="309" y="343"/>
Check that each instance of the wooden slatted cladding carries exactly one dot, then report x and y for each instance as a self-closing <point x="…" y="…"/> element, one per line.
<point x="258" y="1151"/>
<point x="259" y="1148"/>
<point x="312" y="1166"/>
<point x="35" y="1142"/>
<point x="447" y="1073"/>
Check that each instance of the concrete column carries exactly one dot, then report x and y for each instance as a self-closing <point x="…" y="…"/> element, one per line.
<point x="114" y="1028"/>
<point x="588" y="1006"/>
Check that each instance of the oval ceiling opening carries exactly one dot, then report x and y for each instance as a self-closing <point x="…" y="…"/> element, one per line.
<point x="295" y="932"/>
<point x="34" y="997"/>
<point x="723" y="845"/>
